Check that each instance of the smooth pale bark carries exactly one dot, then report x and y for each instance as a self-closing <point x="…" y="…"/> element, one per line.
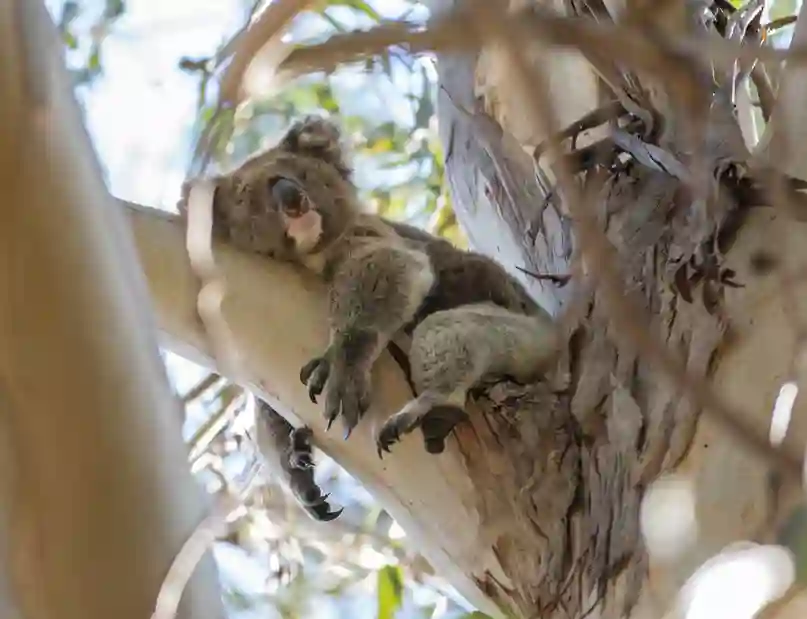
<point x="96" y="497"/>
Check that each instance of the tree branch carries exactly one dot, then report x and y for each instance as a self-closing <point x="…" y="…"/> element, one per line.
<point x="277" y="316"/>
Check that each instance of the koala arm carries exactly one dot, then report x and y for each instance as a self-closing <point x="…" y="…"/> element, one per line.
<point x="411" y="232"/>
<point x="375" y="290"/>
<point x="287" y="452"/>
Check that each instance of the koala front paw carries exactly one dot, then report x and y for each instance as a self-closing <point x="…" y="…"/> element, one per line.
<point x="314" y="375"/>
<point x="299" y="465"/>
<point x="348" y="394"/>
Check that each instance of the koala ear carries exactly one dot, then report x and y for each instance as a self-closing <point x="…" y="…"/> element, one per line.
<point x="317" y="137"/>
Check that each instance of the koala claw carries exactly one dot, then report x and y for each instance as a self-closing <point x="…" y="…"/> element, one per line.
<point x="393" y="429"/>
<point x="349" y="395"/>
<point x="436" y="424"/>
<point x="314" y="375"/>
<point x="301" y="473"/>
<point x="301" y="461"/>
<point x="323" y="513"/>
<point x="299" y="453"/>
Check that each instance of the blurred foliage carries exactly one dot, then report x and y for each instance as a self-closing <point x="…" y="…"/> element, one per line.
<point x="390" y="591"/>
<point x="84" y="27"/>
<point x="398" y="158"/>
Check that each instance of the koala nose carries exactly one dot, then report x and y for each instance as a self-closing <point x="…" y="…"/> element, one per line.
<point x="290" y="197"/>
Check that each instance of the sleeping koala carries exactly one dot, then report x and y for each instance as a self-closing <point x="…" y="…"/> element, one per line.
<point x="468" y="318"/>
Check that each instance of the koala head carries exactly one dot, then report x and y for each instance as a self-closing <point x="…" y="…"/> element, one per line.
<point x="290" y="200"/>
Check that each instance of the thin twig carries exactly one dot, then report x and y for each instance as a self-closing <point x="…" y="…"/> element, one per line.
<point x="199" y="388"/>
<point x="266" y="31"/>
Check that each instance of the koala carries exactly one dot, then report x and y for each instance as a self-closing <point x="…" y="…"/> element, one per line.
<point x="467" y="318"/>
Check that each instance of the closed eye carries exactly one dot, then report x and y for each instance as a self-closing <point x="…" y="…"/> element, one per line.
<point x="288" y="195"/>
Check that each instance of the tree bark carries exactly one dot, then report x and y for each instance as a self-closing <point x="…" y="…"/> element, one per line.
<point x="573" y="542"/>
<point x="96" y="497"/>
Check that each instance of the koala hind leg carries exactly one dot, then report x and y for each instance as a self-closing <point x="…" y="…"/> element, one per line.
<point x="452" y="351"/>
<point x="287" y="452"/>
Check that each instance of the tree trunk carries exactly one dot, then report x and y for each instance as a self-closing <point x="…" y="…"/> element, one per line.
<point x="96" y="497"/>
<point x="571" y="542"/>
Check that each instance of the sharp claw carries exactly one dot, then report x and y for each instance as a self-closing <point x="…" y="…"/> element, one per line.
<point x="312" y="396"/>
<point x="333" y="515"/>
<point x="302" y="461"/>
<point x="330" y="423"/>
<point x="347" y="433"/>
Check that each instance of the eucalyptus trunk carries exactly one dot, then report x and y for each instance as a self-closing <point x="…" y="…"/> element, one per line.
<point x="96" y="496"/>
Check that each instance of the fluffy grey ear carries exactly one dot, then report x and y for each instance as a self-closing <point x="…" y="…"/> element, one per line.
<point x="320" y="138"/>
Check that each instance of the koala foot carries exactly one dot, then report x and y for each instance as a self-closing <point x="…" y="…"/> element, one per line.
<point x="299" y="465"/>
<point x="348" y="394"/>
<point x="436" y="424"/>
<point x="299" y="454"/>
<point x="314" y="375"/>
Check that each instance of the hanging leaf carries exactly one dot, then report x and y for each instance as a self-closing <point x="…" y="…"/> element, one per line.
<point x="361" y="6"/>
<point x="70" y="11"/>
<point x="94" y="61"/>
<point x="114" y="9"/>
<point x="390" y="591"/>
<point x="338" y="26"/>
<point x="69" y="39"/>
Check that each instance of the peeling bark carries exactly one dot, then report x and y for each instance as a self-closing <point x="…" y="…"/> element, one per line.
<point x="568" y="461"/>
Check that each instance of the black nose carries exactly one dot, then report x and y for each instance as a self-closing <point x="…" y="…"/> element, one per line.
<point x="289" y="196"/>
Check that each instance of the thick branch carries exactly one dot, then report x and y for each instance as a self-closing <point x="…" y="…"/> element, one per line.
<point x="278" y="322"/>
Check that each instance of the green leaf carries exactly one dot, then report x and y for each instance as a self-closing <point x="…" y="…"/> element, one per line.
<point x="70" y="39"/>
<point x="70" y="11"/>
<point x="94" y="61"/>
<point x="390" y="591"/>
<point x="476" y="615"/>
<point x="361" y="6"/>
<point x="386" y="64"/>
<point x="338" y="26"/>
<point x="114" y="9"/>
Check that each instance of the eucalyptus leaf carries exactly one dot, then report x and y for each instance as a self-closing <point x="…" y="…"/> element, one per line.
<point x="390" y="591"/>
